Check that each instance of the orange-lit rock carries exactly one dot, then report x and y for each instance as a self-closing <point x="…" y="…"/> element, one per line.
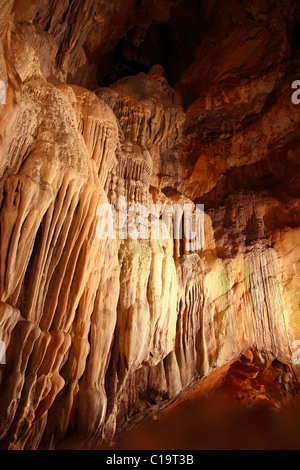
<point x="100" y="333"/>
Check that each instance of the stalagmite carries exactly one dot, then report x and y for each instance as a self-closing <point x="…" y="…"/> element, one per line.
<point x="99" y="332"/>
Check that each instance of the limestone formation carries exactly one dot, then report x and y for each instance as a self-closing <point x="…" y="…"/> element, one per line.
<point x="101" y="332"/>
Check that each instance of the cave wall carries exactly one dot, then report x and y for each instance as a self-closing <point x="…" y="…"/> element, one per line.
<point x="99" y="332"/>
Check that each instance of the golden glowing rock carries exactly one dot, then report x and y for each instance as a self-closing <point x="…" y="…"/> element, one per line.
<point x="97" y="331"/>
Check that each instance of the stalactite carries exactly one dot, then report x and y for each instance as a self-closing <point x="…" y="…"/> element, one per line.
<point x="101" y="332"/>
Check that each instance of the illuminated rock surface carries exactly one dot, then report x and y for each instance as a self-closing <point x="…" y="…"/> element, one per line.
<point x="102" y="332"/>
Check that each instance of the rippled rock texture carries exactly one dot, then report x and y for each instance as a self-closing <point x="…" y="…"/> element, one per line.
<point x="99" y="333"/>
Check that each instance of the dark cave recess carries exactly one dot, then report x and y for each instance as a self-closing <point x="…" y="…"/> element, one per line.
<point x="171" y="44"/>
